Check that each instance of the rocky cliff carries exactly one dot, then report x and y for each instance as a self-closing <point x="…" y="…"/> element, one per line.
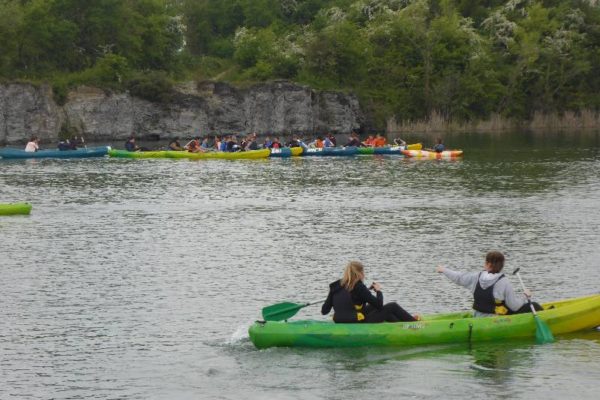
<point x="193" y="109"/>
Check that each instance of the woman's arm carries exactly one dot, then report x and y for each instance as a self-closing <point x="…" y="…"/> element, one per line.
<point x="365" y="296"/>
<point x="328" y="304"/>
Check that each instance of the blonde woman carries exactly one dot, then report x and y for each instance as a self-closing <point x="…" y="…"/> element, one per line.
<point x="352" y="301"/>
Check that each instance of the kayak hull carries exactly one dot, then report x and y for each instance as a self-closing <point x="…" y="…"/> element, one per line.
<point x="432" y="155"/>
<point x="15" y="209"/>
<point x="388" y="149"/>
<point x="11" y="153"/>
<point x="331" y="152"/>
<point x="286" y="152"/>
<point x="136" y="154"/>
<point x="220" y="155"/>
<point x="254" y="154"/>
<point x="562" y="317"/>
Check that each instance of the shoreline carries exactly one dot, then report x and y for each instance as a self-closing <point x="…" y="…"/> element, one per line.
<point x="568" y="122"/>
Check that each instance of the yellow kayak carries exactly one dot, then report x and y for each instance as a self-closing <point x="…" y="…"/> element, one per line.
<point x="238" y="155"/>
<point x="432" y="155"/>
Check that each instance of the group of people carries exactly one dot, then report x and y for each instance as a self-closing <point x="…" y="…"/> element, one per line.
<point x="71" y="144"/>
<point x="493" y="294"/>
<point x="74" y="143"/>
<point x="228" y="143"/>
<point x="231" y="143"/>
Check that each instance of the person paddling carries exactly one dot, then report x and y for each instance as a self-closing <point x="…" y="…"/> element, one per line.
<point x="174" y="145"/>
<point x="64" y="145"/>
<point x="438" y="147"/>
<point x="353" y="140"/>
<point x="130" y="145"/>
<point x="369" y="141"/>
<point x="33" y="145"/>
<point x="380" y="141"/>
<point x="352" y="301"/>
<point x="194" y="146"/>
<point x="492" y="292"/>
<point x="399" y="142"/>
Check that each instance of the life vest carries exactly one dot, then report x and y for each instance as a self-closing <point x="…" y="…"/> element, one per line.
<point x="345" y="311"/>
<point x="379" y="142"/>
<point x="319" y="144"/>
<point x="62" y="146"/>
<point x="484" y="301"/>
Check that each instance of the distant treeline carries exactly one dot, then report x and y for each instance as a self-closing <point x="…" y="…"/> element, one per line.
<point x="463" y="60"/>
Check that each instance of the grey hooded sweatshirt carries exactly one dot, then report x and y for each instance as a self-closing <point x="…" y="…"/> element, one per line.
<point x="502" y="291"/>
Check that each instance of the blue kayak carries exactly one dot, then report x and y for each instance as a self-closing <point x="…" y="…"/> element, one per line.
<point x="331" y="151"/>
<point x="12" y="153"/>
<point x="285" y="152"/>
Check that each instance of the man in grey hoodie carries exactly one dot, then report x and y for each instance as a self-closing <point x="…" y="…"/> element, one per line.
<point x="492" y="292"/>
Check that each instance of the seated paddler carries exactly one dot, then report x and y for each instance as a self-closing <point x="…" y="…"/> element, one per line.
<point x="352" y="301"/>
<point x="493" y="293"/>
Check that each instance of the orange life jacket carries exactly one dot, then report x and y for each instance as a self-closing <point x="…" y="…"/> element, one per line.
<point x="379" y="142"/>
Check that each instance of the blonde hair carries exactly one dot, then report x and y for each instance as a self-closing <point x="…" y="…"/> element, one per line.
<point x="352" y="274"/>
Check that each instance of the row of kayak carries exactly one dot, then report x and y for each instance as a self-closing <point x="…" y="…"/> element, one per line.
<point x="408" y="151"/>
<point x="15" y="208"/>
<point x="413" y="150"/>
<point x="564" y="316"/>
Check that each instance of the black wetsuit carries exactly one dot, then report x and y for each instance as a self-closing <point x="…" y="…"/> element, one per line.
<point x="359" y="305"/>
<point x="354" y="142"/>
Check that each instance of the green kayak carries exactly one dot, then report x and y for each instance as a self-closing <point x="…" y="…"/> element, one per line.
<point x="15" y="209"/>
<point x="136" y="154"/>
<point x="561" y="316"/>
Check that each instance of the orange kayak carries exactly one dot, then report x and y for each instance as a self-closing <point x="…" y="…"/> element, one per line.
<point x="432" y="155"/>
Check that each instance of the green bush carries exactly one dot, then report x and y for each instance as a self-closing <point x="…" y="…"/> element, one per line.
<point x="260" y="72"/>
<point x="60" y="91"/>
<point x="155" y="86"/>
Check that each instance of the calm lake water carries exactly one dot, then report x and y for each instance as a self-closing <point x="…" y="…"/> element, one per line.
<point x="138" y="279"/>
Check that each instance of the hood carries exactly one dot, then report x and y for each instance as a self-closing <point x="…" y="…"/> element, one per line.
<point x="487" y="279"/>
<point x="335" y="286"/>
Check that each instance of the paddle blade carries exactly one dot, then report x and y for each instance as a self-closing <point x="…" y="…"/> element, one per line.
<point x="543" y="334"/>
<point x="281" y="311"/>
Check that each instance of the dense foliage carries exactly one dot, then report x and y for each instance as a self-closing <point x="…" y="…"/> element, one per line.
<point x="462" y="59"/>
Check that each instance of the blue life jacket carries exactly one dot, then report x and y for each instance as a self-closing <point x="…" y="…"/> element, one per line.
<point x="438" y="148"/>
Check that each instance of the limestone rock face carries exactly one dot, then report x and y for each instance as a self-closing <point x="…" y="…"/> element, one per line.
<point x="278" y="107"/>
<point x="26" y="110"/>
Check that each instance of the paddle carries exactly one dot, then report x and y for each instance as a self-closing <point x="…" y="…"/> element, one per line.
<point x="284" y="311"/>
<point x="543" y="334"/>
